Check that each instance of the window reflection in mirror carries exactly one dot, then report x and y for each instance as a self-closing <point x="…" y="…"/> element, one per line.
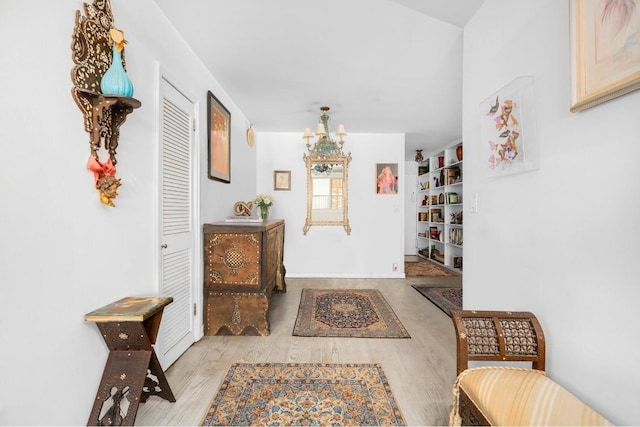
<point x="327" y="192"/>
<point x="327" y="203"/>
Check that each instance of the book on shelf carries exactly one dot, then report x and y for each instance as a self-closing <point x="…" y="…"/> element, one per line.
<point x="455" y="236"/>
<point x="243" y="219"/>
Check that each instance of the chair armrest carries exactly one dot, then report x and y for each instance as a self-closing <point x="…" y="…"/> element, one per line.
<point x="499" y="336"/>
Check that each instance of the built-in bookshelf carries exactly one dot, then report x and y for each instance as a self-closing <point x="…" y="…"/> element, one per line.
<point x="439" y="208"/>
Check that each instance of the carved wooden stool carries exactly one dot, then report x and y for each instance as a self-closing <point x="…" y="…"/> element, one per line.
<point x="132" y="372"/>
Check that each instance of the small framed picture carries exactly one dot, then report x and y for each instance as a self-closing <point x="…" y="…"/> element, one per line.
<point x="282" y="180"/>
<point x="386" y="178"/>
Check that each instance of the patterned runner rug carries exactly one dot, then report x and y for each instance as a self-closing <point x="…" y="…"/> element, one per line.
<point x="304" y="394"/>
<point x="427" y="269"/>
<point x="362" y="313"/>
<point x="445" y="299"/>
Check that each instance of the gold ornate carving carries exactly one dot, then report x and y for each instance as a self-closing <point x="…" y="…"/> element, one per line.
<point x="242" y="208"/>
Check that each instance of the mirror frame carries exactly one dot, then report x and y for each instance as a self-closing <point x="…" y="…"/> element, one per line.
<point x="336" y="159"/>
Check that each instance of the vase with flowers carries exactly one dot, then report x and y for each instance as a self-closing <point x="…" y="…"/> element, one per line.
<point x="264" y="202"/>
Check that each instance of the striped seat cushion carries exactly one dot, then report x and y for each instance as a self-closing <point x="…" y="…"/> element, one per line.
<point x="516" y="397"/>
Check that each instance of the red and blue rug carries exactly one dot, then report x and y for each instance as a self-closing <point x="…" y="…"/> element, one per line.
<point x="304" y="394"/>
<point x="446" y="299"/>
<point x="358" y="313"/>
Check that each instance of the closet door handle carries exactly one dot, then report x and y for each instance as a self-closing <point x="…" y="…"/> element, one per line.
<point x="164" y="246"/>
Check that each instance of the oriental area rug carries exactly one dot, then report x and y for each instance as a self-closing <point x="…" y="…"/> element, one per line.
<point x="357" y="313"/>
<point x="304" y="394"/>
<point x="427" y="269"/>
<point x="446" y="299"/>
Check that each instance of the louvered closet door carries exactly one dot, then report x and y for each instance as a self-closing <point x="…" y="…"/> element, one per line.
<point x="176" y="224"/>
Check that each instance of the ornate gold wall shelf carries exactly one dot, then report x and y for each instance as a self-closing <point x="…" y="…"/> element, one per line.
<point x="103" y="114"/>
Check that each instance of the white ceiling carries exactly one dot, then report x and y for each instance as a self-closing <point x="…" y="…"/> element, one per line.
<point x="381" y="65"/>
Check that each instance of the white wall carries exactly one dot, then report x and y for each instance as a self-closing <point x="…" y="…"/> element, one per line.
<point x="561" y="241"/>
<point x="377" y="221"/>
<point x="62" y="253"/>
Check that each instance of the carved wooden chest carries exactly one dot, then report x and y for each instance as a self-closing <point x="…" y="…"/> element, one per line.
<point x="242" y="268"/>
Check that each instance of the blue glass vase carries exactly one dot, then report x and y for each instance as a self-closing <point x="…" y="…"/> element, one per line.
<point x="115" y="80"/>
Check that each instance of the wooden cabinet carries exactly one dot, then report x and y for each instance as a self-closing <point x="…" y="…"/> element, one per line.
<point x="440" y="208"/>
<point x="242" y="269"/>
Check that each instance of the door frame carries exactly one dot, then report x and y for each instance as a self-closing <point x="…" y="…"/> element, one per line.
<point x="196" y="286"/>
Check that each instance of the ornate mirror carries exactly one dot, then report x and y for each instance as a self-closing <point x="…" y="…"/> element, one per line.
<point x="327" y="178"/>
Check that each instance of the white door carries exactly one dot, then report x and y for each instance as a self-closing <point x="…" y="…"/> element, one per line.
<point x="410" y="208"/>
<point x="177" y="225"/>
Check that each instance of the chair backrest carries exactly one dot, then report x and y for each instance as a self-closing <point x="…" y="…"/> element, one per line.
<point x="499" y="336"/>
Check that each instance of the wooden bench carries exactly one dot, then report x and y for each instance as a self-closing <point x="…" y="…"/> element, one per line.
<point x="507" y="395"/>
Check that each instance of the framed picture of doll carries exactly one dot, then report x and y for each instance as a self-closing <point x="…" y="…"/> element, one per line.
<point x="386" y="178"/>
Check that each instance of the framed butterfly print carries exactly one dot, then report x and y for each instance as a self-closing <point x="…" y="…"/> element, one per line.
<point x="508" y="127"/>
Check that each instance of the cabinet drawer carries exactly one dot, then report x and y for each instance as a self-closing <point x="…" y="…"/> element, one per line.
<point x="236" y="313"/>
<point x="232" y="259"/>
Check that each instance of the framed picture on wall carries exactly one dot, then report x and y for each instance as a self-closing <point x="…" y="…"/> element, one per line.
<point x="219" y="140"/>
<point x="386" y="178"/>
<point x="282" y="180"/>
<point x="605" y="53"/>
<point x="508" y="129"/>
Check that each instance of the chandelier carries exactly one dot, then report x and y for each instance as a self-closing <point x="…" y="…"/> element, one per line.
<point x="324" y="146"/>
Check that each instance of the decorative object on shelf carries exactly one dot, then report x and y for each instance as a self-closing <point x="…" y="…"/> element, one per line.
<point x="115" y="80"/>
<point x="219" y="140"/>
<point x="456" y="218"/>
<point x="264" y="202"/>
<point x="104" y="177"/>
<point x="440" y="161"/>
<point x="510" y="132"/>
<point x="95" y="41"/>
<point x="437" y="255"/>
<point x="451" y="175"/>
<point x="419" y="157"/>
<point x="326" y="163"/>
<point x="387" y="178"/>
<point x="242" y="208"/>
<point x="459" y="153"/>
<point x="605" y="53"/>
<point x="282" y="180"/>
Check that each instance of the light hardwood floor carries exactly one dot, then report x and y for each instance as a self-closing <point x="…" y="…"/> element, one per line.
<point x="420" y="370"/>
